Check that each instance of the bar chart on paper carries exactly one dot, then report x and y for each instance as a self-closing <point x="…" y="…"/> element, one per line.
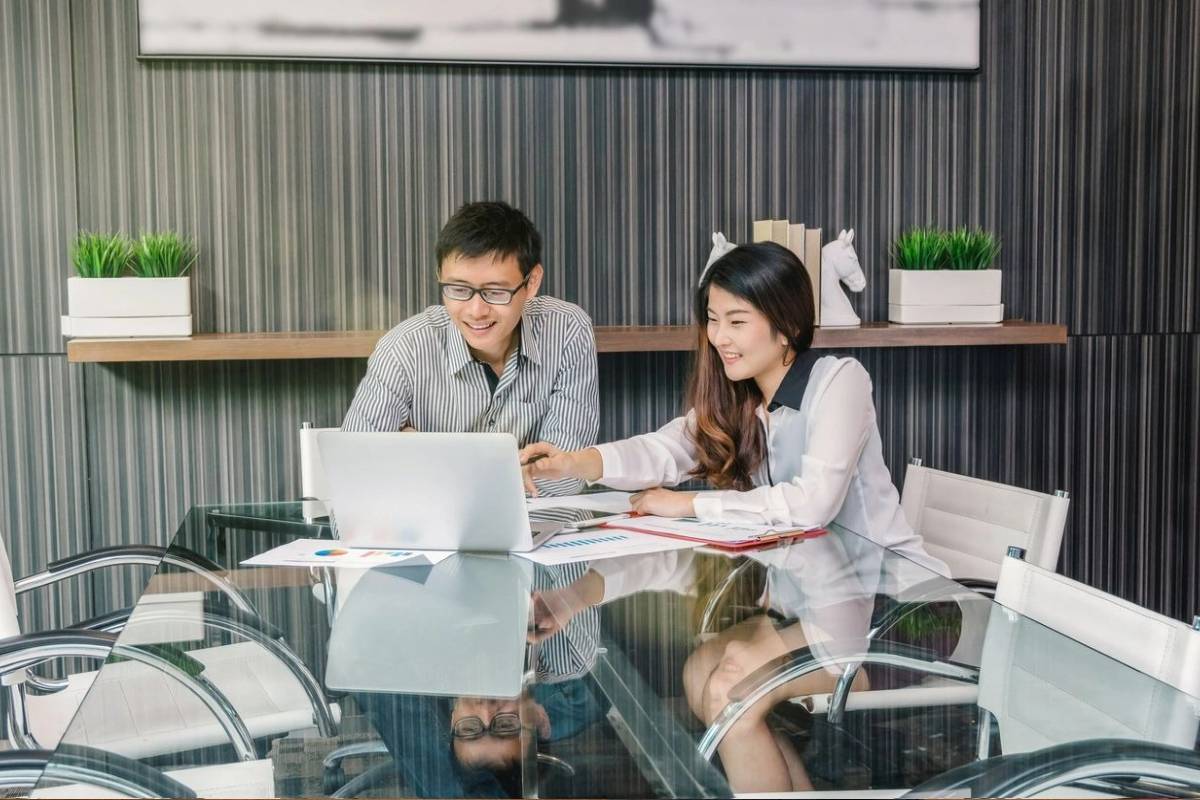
<point x="570" y="542"/>
<point x="593" y="545"/>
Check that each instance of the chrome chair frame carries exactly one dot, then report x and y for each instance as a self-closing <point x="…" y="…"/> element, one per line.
<point x="239" y="619"/>
<point x="23" y="770"/>
<point x="20" y="652"/>
<point x="1103" y="764"/>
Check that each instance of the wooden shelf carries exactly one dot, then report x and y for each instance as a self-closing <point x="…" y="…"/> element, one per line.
<point x="617" y="339"/>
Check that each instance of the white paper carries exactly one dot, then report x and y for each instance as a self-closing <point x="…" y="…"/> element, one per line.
<point x="595" y="544"/>
<point x="332" y="553"/>
<point x="610" y="502"/>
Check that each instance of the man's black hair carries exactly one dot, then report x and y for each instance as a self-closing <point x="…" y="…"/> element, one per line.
<point x="478" y="229"/>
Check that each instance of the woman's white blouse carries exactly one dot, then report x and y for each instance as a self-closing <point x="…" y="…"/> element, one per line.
<point x="824" y="463"/>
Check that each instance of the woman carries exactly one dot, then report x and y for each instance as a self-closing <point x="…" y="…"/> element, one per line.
<point x="785" y="437"/>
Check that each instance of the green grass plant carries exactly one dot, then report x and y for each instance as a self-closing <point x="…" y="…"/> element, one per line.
<point x="919" y="248"/>
<point x="967" y="249"/>
<point x="959" y="249"/>
<point x="163" y="255"/>
<point x="101" y="255"/>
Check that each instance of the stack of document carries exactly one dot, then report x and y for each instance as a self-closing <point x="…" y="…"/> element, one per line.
<point x="725" y="535"/>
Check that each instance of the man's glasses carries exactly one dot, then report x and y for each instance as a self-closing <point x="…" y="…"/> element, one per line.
<point x="505" y="725"/>
<point x="491" y="295"/>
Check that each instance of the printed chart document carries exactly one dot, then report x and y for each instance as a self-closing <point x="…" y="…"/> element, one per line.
<point x="599" y="543"/>
<point x="332" y="553"/>
<point x="730" y="535"/>
<point x="608" y="502"/>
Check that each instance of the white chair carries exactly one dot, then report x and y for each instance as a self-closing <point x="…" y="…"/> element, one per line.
<point x="140" y="708"/>
<point x="1026" y="667"/>
<point x="970" y="523"/>
<point x="1080" y="686"/>
<point x="313" y="484"/>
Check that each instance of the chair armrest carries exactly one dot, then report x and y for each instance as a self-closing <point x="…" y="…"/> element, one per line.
<point x="24" y="769"/>
<point x="1030" y="774"/>
<point x="137" y="554"/>
<point x="146" y="554"/>
<point x="19" y="652"/>
<point x="803" y="661"/>
<point x="984" y="587"/>
<point x="115" y="621"/>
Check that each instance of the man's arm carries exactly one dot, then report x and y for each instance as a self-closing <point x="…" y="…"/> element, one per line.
<point x="383" y="401"/>
<point x="572" y="418"/>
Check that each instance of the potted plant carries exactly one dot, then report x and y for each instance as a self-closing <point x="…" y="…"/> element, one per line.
<point x="154" y="299"/>
<point x="944" y="277"/>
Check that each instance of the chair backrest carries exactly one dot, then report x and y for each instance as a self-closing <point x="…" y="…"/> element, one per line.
<point x="8" y="596"/>
<point x="313" y="485"/>
<point x="971" y="523"/>
<point x="1045" y="689"/>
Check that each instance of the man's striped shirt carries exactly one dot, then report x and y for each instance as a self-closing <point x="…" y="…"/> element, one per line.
<point x="422" y="375"/>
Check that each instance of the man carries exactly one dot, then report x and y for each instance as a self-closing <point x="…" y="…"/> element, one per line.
<point x="495" y="357"/>
<point x="485" y="734"/>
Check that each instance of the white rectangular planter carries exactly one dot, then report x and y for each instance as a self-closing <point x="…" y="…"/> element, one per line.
<point x="129" y="297"/>
<point x="128" y="307"/>
<point x="125" y="327"/>
<point x="944" y="296"/>
<point x="944" y="315"/>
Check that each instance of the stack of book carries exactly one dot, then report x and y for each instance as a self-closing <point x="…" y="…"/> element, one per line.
<point x="804" y="242"/>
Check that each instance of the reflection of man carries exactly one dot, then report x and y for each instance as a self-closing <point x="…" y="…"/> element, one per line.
<point x="473" y="746"/>
<point x="495" y="356"/>
<point x="559" y="704"/>
<point x="486" y="732"/>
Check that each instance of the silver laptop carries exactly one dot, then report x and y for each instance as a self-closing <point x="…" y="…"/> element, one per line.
<point x="429" y="491"/>
<point x="457" y="628"/>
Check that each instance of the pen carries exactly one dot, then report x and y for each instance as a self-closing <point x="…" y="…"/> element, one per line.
<point x="598" y="521"/>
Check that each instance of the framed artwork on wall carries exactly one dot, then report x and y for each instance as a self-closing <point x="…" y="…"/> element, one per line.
<point x="817" y="34"/>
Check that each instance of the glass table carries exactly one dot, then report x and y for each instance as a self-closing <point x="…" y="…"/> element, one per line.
<point x="825" y="664"/>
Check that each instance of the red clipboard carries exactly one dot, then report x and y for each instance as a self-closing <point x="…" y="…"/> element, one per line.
<point x="732" y="547"/>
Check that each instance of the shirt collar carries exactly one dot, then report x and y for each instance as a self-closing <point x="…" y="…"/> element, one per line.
<point x="458" y="355"/>
<point x="791" y="389"/>
<point x="527" y="344"/>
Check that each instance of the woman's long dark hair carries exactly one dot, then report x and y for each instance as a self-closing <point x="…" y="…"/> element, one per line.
<point x="729" y="440"/>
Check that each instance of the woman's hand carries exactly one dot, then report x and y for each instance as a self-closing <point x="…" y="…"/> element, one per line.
<point x="544" y="461"/>
<point x="664" y="503"/>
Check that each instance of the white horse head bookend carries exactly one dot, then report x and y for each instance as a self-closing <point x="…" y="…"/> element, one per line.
<point x="839" y="264"/>
<point x="720" y="247"/>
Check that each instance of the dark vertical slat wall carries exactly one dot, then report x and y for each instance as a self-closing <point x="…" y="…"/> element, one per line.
<point x="37" y="172"/>
<point x="316" y="190"/>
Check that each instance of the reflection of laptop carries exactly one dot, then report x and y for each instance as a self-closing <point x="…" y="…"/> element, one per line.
<point x="457" y="628"/>
<point x="429" y="491"/>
